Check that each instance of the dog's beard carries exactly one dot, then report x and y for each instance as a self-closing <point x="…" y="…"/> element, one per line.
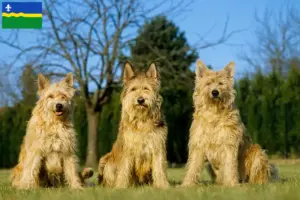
<point x="209" y="99"/>
<point x="215" y="99"/>
<point x="140" y="106"/>
<point x="220" y="101"/>
<point x="134" y="105"/>
<point x="131" y="108"/>
<point x="137" y="110"/>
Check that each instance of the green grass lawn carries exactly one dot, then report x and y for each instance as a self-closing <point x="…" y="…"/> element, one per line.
<point x="287" y="188"/>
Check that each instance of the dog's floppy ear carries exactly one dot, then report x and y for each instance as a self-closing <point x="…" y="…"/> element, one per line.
<point x="200" y="68"/>
<point x="69" y="80"/>
<point x="43" y="82"/>
<point x="152" y="71"/>
<point x="128" y="72"/>
<point x="229" y="68"/>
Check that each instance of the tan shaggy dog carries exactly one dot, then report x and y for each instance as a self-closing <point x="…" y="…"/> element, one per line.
<point x="138" y="155"/>
<point x="47" y="156"/>
<point x="217" y="134"/>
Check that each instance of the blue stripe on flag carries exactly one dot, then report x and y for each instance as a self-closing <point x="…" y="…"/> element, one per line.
<point x="25" y="7"/>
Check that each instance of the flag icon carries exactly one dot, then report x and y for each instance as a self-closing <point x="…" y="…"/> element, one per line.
<point x="22" y="15"/>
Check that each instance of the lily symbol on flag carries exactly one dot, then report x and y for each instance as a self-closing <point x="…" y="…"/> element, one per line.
<point x="8" y="7"/>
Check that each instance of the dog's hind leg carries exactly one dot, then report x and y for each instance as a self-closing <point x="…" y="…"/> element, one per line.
<point x="17" y="171"/>
<point x="16" y="175"/>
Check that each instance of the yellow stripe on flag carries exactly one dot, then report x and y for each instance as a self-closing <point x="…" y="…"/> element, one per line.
<point x="20" y="15"/>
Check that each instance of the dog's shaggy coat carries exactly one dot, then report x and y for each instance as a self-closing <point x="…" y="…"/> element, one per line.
<point x="47" y="156"/>
<point x="138" y="155"/>
<point x="217" y="134"/>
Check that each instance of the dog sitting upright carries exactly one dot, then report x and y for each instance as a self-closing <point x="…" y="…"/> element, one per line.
<point x="138" y="155"/>
<point x="217" y="134"/>
<point x="47" y="156"/>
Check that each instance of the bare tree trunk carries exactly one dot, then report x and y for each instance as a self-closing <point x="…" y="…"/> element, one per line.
<point x="93" y="121"/>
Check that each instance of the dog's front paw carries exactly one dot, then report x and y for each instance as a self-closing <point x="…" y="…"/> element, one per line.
<point x="162" y="185"/>
<point x="76" y="186"/>
<point x="27" y="184"/>
<point x="232" y="185"/>
<point x="185" y="184"/>
<point x="121" y="186"/>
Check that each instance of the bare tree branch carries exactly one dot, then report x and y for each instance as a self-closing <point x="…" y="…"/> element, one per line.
<point x="277" y="42"/>
<point x="225" y="36"/>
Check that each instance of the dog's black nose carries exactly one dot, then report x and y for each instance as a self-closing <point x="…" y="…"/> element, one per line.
<point x="59" y="107"/>
<point x="215" y="93"/>
<point x="140" y="100"/>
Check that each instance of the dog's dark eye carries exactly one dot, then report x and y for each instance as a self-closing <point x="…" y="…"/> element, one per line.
<point x="51" y="96"/>
<point x="220" y="83"/>
<point x="208" y="83"/>
<point x="63" y="97"/>
<point x="145" y="88"/>
<point x="133" y="89"/>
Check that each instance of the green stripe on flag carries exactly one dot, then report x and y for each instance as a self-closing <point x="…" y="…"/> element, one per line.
<point x="22" y="22"/>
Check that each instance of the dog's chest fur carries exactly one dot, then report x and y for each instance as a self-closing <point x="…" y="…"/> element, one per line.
<point x="215" y="133"/>
<point x="58" y="138"/>
<point x="142" y="143"/>
<point x="58" y="141"/>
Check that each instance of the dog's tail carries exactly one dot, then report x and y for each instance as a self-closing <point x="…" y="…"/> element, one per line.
<point x="86" y="173"/>
<point x="101" y="167"/>
<point x="273" y="172"/>
<point x="257" y="165"/>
